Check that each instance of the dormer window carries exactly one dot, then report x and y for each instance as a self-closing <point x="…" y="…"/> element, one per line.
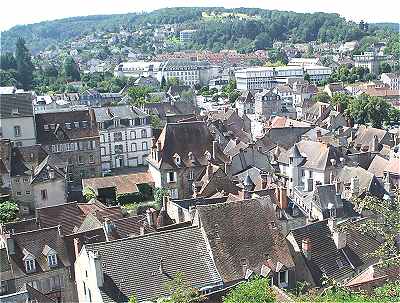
<point x="51" y="255"/>
<point x="177" y="159"/>
<point x="76" y="124"/>
<point x="68" y="125"/>
<point x="84" y="124"/>
<point x="116" y="122"/>
<point x="52" y="259"/>
<point x="29" y="260"/>
<point x="46" y="127"/>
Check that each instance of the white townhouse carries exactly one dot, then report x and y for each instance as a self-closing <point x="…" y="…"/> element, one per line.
<point x="125" y="136"/>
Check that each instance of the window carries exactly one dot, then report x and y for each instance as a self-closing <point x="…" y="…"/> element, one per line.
<point x="3" y="287"/>
<point x="102" y="138"/>
<point x="84" y="124"/>
<point x="173" y="193"/>
<point x="30" y="265"/>
<point x="91" y="145"/>
<point x="133" y="147"/>
<point x="19" y="193"/>
<point x="52" y="259"/>
<point x="116" y="122"/>
<point x="17" y="131"/>
<point x="25" y="180"/>
<point x="27" y="192"/>
<point x="103" y="151"/>
<point x="43" y="194"/>
<point x="84" y="288"/>
<point x="119" y="149"/>
<point x="133" y="134"/>
<point x="191" y="174"/>
<point x="118" y="136"/>
<point x="17" y="180"/>
<point x="90" y="295"/>
<point x="310" y="174"/>
<point x="80" y="159"/>
<point x="76" y="124"/>
<point x="143" y="133"/>
<point x="171" y="177"/>
<point x="283" y="278"/>
<point x="46" y="127"/>
<point x="144" y="145"/>
<point x="91" y="159"/>
<point x="303" y="173"/>
<point x="68" y="125"/>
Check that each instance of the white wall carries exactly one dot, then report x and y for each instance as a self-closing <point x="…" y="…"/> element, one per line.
<point x="27" y="137"/>
<point x="56" y="193"/>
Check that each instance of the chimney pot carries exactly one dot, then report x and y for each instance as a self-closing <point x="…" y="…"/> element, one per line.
<point x="306" y="248"/>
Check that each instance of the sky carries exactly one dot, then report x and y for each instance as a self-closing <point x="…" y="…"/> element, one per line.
<point x="31" y="11"/>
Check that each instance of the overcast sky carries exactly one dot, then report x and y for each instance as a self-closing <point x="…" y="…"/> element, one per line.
<point x="32" y="11"/>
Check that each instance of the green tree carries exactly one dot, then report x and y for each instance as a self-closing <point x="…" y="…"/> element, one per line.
<point x="387" y="227"/>
<point x="132" y="299"/>
<point x="181" y="292"/>
<point x="8" y="211"/>
<point x="71" y="69"/>
<point x="342" y="100"/>
<point x="7" y="61"/>
<point x="321" y="97"/>
<point x="307" y="77"/>
<point x="256" y="290"/>
<point x="24" y="65"/>
<point x="393" y="117"/>
<point x="384" y="68"/>
<point x="88" y="194"/>
<point x="263" y="41"/>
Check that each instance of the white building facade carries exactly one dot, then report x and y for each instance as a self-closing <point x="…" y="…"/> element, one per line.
<point x="125" y="136"/>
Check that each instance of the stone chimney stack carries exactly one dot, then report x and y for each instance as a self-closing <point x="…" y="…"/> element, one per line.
<point x="375" y="144"/>
<point x="354" y="185"/>
<point x="150" y="217"/>
<point x="306" y="248"/>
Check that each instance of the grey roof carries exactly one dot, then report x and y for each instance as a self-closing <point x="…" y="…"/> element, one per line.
<point x="136" y="261"/>
<point x="122" y="112"/>
<point x="317" y="155"/>
<point x="244" y="232"/>
<point x="324" y="195"/>
<point x="11" y="102"/>
<point x="294" y="152"/>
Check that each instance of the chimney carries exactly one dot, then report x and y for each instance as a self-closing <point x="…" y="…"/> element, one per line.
<point x="77" y="246"/>
<point x="340" y="239"/>
<point x="283" y="202"/>
<point x="310" y="184"/>
<point x="354" y="185"/>
<point x="214" y="149"/>
<point x="319" y="134"/>
<point x="98" y="269"/>
<point x="158" y="151"/>
<point x="375" y="144"/>
<point x="108" y="227"/>
<point x="306" y="248"/>
<point x="161" y="267"/>
<point x="11" y="246"/>
<point x="150" y="218"/>
<point x="264" y="181"/>
<point x="165" y="202"/>
<point x="331" y="177"/>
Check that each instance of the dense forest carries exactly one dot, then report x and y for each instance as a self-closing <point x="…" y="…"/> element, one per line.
<point x="245" y="29"/>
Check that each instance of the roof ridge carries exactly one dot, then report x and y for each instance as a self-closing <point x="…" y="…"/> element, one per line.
<point x="37" y="230"/>
<point x="141" y="236"/>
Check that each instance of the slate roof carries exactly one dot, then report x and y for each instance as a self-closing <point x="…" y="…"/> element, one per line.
<point x="285" y="137"/>
<point x="181" y="250"/>
<point x="166" y="109"/>
<point x="317" y="155"/>
<point x="20" y="226"/>
<point x="60" y="133"/>
<point x="122" y="112"/>
<point x="367" y="181"/>
<point x="34" y="242"/>
<point x="71" y="215"/>
<point x="243" y="232"/>
<point x="246" y="97"/>
<point x="324" y="254"/>
<point x="377" y="166"/>
<point x="198" y="140"/>
<point x="325" y="194"/>
<point x="365" y="137"/>
<point x="23" y="159"/>
<point x="20" y="101"/>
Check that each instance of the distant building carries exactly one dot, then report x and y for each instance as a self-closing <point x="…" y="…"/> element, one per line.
<point x="187" y="72"/>
<point x="137" y="69"/>
<point x="369" y="60"/>
<point x="392" y="80"/>
<point x="74" y="137"/>
<point x="125" y="136"/>
<point x="257" y="78"/>
<point x="267" y="104"/>
<point x="16" y="116"/>
<point x="186" y="35"/>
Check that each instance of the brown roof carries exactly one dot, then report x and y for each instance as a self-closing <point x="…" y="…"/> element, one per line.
<point x="122" y="183"/>
<point x="60" y="133"/>
<point x="244" y="232"/>
<point x="393" y="166"/>
<point x="71" y="215"/>
<point x="377" y="166"/>
<point x="197" y="140"/>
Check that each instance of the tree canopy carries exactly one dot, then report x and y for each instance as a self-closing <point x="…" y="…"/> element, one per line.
<point x="8" y="211"/>
<point x="256" y="290"/>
